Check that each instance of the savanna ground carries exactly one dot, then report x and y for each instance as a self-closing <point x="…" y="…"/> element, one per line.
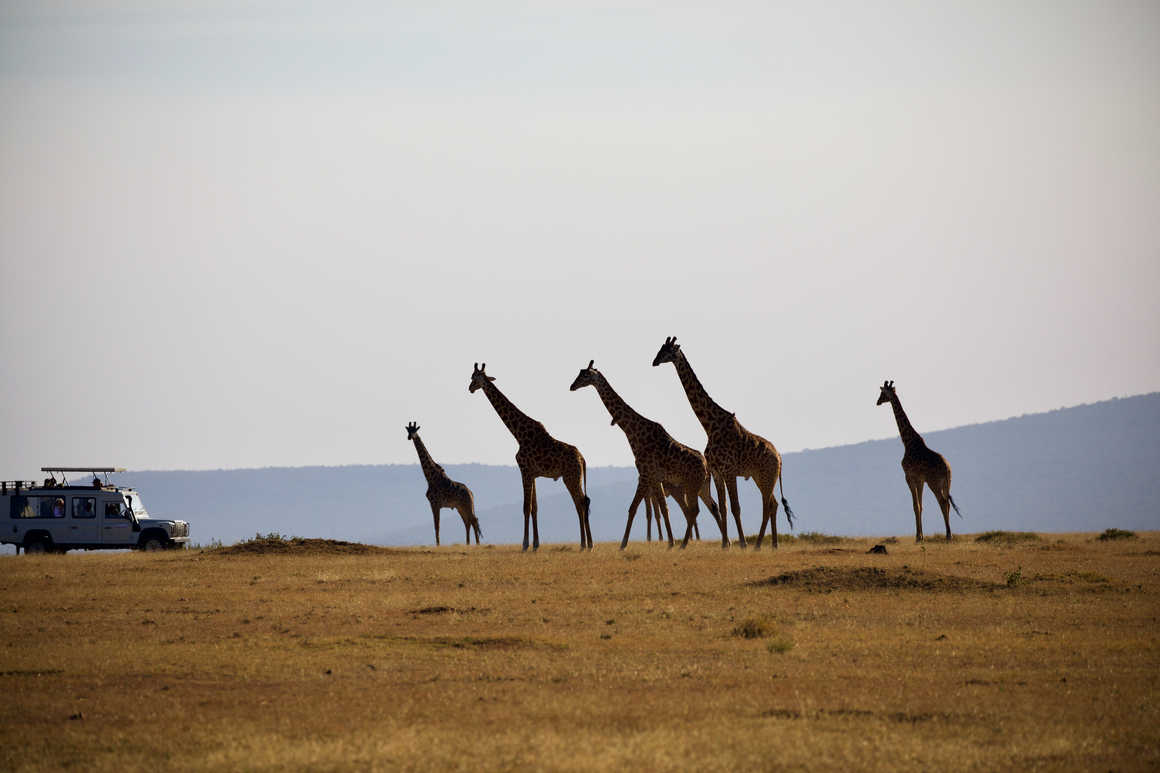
<point x="1013" y="653"/>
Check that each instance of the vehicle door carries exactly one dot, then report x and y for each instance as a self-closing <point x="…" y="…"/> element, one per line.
<point x="116" y="526"/>
<point x="46" y="512"/>
<point x="82" y="520"/>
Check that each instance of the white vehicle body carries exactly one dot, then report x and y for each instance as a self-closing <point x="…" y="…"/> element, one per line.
<point x="57" y="516"/>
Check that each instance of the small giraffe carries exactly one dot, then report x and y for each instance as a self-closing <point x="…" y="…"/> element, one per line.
<point x="540" y="456"/>
<point x="920" y="465"/>
<point x="444" y="492"/>
<point x="660" y="461"/>
<point x="732" y="449"/>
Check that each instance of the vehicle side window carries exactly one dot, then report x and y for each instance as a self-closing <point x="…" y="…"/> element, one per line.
<point x="113" y="510"/>
<point x="84" y="507"/>
<point x="42" y="507"/>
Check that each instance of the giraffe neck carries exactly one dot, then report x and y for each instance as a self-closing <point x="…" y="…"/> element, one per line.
<point x="518" y="423"/>
<point x="430" y="468"/>
<point x="625" y="417"/>
<point x="910" y="438"/>
<point x="708" y="412"/>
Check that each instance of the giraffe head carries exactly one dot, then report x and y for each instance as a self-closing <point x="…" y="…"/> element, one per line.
<point x="412" y="431"/>
<point x="887" y="394"/>
<point x="478" y="377"/>
<point x="586" y="377"/>
<point x="669" y="352"/>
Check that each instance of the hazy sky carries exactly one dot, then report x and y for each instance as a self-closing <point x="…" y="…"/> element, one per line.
<point x="248" y="234"/>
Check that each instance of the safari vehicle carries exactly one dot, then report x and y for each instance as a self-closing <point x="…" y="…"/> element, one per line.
<point x="57" y="516"/>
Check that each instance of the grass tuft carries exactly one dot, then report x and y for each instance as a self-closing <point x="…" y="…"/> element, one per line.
<point x="813" y="538"/>
<point x="752" y="628"/>
<point x="1015" y="577"/>
<point x="1007" y="537"/>
<point x="780" y="645"/>
<point x="1111" y="534"/>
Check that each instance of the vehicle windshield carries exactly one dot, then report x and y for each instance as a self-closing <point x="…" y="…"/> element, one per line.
<point x="138" y="505"/>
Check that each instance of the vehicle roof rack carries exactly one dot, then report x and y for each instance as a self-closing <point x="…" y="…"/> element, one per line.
<point x="82" y="469"/>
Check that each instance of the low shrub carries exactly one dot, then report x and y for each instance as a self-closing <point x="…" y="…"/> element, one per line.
<point x="1110" y="534"/>
<point x="1007" y="537"/>
<point x="813" y="538"/>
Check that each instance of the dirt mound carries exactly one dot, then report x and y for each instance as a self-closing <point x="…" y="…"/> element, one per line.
<point x="826" y="579"/>
<point x="277" y="545"/>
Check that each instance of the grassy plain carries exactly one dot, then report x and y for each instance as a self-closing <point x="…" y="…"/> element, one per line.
<point x="1006" y="654"/>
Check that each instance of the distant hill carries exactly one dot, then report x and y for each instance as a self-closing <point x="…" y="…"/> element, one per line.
<point x="1075" y="469"/>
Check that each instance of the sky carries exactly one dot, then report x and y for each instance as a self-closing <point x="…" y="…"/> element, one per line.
<point x="249" y="234"/>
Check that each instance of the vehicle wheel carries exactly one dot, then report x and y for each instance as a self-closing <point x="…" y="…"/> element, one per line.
<point x="153" y="543"/>
<point x="37" y="547"/>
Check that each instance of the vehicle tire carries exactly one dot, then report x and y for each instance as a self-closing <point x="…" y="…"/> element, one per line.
<point x="152" y="543"/>
<point x="37" y="546"/>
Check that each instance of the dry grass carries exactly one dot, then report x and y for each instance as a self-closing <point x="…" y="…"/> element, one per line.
<point x="485" y="658"/>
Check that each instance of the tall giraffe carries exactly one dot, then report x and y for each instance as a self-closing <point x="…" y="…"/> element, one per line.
<point x="540" y="456"/>
<point x="660" y="462"/>
<point x="920" y="465"/>
<point x="444" y="492"/>
<point x="732" y="449"/>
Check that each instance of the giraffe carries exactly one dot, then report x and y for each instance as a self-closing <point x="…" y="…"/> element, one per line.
<point x="732" y="450"/>
<point x="660" y="461"/>
<point x="540" y="456"/>
<point x="920" y="465"/>
<point x="444" y="492"/>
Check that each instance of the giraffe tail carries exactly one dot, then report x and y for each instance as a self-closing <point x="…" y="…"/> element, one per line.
<point x="784" y="501"/>
<point x="956" y="507"/>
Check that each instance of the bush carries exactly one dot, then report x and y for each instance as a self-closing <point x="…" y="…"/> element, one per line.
<point x="1007" y="537"/>
<point x="1110" y="534"/>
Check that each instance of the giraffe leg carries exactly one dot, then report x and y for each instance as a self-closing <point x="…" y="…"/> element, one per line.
<point x="535" y="517"/>
<point x="636" y="498"/>
<point x="668" y="526"/>
<point x="529" y="500"/>
<point x="689" y="506"/>
<point x="944" y="503"/>
<point x="915" y="485"/>
<point x="764" y="521"/>
<point x="731" y="484"/>
<point x="723" y="509"/>
<point x="648" y="515"/>
<point x="714" y="511"/>
<point x="466" y="516"/>
<point x="435" y="515"/>
<point x="467" y="513"/>
<point x="659" y="497"/>
<point x="770" y="509"/>
<point x="572" y="482"/>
